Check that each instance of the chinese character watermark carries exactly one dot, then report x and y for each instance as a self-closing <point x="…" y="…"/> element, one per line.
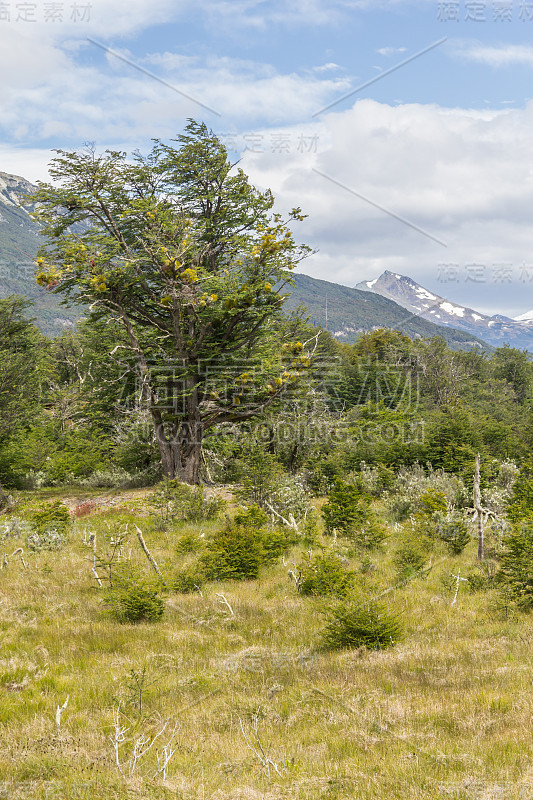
<point x="498" y="11"/>
<point x="497" y="273"/>
<point x="24" y="12"/>
<point x="280" y="143"/>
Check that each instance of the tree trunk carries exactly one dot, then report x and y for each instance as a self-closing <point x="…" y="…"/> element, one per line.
<point x="180" y="454"/>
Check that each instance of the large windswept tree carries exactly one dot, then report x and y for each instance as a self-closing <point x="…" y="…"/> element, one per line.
<point x="190" y="258"/>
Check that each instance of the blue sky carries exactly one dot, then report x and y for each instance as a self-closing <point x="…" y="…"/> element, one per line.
<point x="427" y="171"/>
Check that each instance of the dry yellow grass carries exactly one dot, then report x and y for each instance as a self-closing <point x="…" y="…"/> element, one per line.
<point x="447" y="712"/>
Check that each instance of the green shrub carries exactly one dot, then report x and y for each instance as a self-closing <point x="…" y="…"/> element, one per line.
<point x="432" y="502"/>
<point x="187" y="580"/>
<point x="454" y="530"/>
<point x="135" y="601"/>
<point x="409" y="559"/>
<point x="516" y="574"/>
<point x="50" y="516"/>
<point x="254" y="516"/>
<point x="370" y="535"/>
<point x="233" y="553"/>
<point x="49" y="526"/>
<point x="359" y="622"/>
<point x="346" y="510"/>
<point x="325" y="575"/>
<point x="520" y="504"/>
<point x="173" y="501"/>
<point x="477" y="581"/>
<point x="189" y="544"/>
<point x="275" y="542"/>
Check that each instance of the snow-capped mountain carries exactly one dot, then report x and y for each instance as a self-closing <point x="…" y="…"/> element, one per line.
<point x="495" y="330"/>
<point x="527" y="317"/>
<point x="19" y="242"/>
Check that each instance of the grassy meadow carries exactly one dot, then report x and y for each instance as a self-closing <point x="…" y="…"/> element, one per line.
<point x="254" y="709"/>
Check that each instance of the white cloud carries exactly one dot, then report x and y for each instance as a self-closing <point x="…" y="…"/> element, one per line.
<point x="70" y="102"/>
<point x="497" y="56"/>
<point x="462" y="176"/>
<point x="330" y="67"/>
<point x="391" y="51"/>
<point x="28" y="163"/>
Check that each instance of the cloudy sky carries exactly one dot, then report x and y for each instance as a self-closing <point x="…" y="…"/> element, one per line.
<point x="404" y="128"/>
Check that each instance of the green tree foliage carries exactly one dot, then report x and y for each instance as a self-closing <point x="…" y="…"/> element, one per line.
<point x="514" y="366"/>
<point x="346" y="509"/>
<point x="377" y="370"/>
<point x="186" y="255"/>
<point x="134" y="600"/>
<point x="453" y="443"/>
<point x="233" y="553"/>
<point x="324" y="575"/>
<point x="516" y="572"/>
<point x="520" y="505"/>
<point x="348" y="512"/>
<point x="360" y="623"/>
<point x="23" y="368"/>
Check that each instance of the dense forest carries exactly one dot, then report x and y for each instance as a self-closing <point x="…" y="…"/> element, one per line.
<point x="72" y="409"/>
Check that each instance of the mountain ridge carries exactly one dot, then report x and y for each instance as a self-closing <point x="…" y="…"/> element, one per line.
<point x="351" y="312"/>
<point x="19" y="242"/>
<point x="496" y="330"/>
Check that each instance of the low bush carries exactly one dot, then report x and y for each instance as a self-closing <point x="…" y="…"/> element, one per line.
<point x="516" y="573"/>
<point x="477" y="581"/>
<point x="275" y="541"/>
<point x="13" y="528"/>
<point x="360" y="622"/>
<point x="49" y="526"/>
<point x="187" y="580"/>
<point x="189" y="543"/>
<point x="410" y="559"/>
<point x="324" y="575"/>
<point x="348" y="512"/>
<point x="414" y="482"/>
<point x="233" y="553"/>
<point x="374" y="480"/>
<point x="454" y="530"/>
<point x="174" y="501"/>
<point x="85" y="508"/>
<point x="253" y="516"/>
<point x="432" y="502"/>
<point x="133" y="600"/>
<point x="50" y="516"/>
